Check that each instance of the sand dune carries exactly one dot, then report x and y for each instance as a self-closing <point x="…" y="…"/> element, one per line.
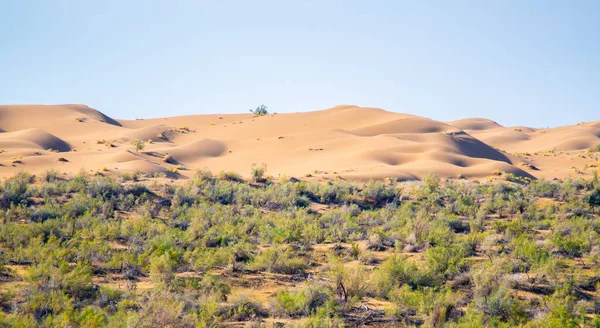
<point x="347" y="142"/>
<point x="32" y="138"/>
<point x="475" y="124"/>
<point x="196" y="150"/>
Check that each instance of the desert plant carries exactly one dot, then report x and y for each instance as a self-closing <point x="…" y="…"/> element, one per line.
<point x="230" y="176"/>
<point x="260" y="110"/>
<point x="258" y="172"/>
<point x="351" y="282"/>
<point x="50" y="176"/>
<point x="138" y="145"/>
<point x="302" y="302"/>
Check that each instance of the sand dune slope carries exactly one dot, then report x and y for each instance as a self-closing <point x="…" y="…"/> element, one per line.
<point x="347" y="142"/>
<point x="34" y="139"/>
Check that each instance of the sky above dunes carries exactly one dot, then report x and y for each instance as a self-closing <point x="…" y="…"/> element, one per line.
<point x="534" y="63"/>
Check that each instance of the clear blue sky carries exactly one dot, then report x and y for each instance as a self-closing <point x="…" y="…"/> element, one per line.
<point x="533" y="63"/>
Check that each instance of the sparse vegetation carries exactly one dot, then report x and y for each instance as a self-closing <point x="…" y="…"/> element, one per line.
<point x="138" y="145"/>
<point x="259" y="111"/>
<point x="258" y="172"/>
<point x="97" y="251"/>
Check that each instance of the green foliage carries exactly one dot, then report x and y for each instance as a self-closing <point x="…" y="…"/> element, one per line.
<point x="351" y="282"/>
<point x="15" y="191"/>
<point x="396" y="271"/>
<point x="98" y="251"/>
<point x="50" y="176"/>
<point x="260" y="110"/>
<point x="445" y="261"/>
<point x="278" y="260"/>
<point x="92" y="317"/>
<point x="302" y="302"/>
<point x="258" y="172"/>
<point x="593" y="198"/>
<point x="162" y="269"/>
<point x="138" y="145"/>
<point x="230" y="176"/>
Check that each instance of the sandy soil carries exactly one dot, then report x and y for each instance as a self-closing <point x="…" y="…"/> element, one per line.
<point x="344" y="142"/>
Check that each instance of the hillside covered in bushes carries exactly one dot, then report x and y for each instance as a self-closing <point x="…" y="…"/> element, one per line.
<point x="218" y="251"/>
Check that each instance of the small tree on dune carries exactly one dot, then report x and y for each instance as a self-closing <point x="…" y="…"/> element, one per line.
<point x="260" y="110"/>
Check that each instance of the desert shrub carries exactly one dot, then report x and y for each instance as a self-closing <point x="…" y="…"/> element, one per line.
<point x="47" y="212"/>
<point x="138" y="145"/>
<point x="50" y="176"/>
<point x="161" y="308"/>
<point x="376" y="192"/>
<point x="396" y="271"/>
<point x="209" y="313"/>
<point x="544" y="188"/>
<point x="573" y="246"/>
<point x="351" y="282"/>
<point x="593" y="198"/>
<point x="446" y="261"/>
<point x="103" y="188"/>
<point x="331" y="193"/>
<point x="15" y="191"/>
<point x="561" y="306"/>
<point x="277" y="260"/>
<point x="322" y="319"/>
<point x="431" y="182"/>
<point x="211" y="286"/>
<point x="162" y="270"/>
<point x="230" y="176"/>
<point x="258" y="172"/>
<point x="492" y="294"/>
<point x="260" y="110"/>
<point x="202" y="176"/>
<point x="242" y="309"/>
<point x="75" y="282"/>
<point x="434" y="302"/>
<point x="528" y="253"/>
<point x="302" y="302"/>
<point x="50" y="190"/>
<point x="92" y="317"/>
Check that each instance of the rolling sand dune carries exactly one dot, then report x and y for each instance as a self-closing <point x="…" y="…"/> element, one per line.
<point x="347" y="142"/>
<point x="32" y="138"/>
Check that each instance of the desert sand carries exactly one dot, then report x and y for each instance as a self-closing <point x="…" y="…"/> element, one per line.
<point x="344" y="142"/>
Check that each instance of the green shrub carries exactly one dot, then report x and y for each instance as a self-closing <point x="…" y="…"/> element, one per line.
<point x="50" y="176"/>
<point x="15" y="191"/>
<point x="242" y="309"/>
<point x="230" y="176"/>
<point x="376" y="192"/>
<point x="302" y="302"/>
<point x="138" y="145"/>
<point x="396" y="271"/>
<point x="260" y="110"/>
<point x="351" y="282"/>
<point x="593" y="198"/>
<point x="445" y="261"/>
<point x="258" y="172"/>
<point x="277" y="260"/>
<point x="92" y="317"/>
